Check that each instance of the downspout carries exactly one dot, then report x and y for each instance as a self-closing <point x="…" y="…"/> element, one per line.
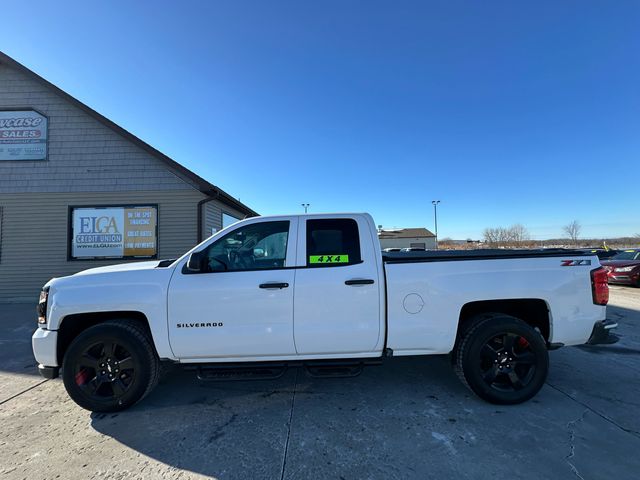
<point x="199" y="208"/>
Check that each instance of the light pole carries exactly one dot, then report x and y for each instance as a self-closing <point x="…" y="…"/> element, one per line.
<point x="306" y="206"/>
<point x="435" y="218"/>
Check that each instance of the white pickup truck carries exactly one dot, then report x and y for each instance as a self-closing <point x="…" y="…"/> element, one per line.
<point x="316" y="291"/>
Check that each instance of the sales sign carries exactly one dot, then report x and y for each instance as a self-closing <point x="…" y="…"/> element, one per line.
<point x="23" y="135"/>
<point x="114" y="232"/>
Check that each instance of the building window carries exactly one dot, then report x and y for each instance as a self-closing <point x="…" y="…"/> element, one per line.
<point x="129" y="231"/>
<point x="228" y="220"/>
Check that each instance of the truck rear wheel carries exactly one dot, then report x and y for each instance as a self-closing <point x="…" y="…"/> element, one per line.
<point x="502" y="359"/>
<point x="110" y="366"/>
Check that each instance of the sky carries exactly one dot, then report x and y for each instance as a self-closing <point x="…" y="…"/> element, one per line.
<point x="507" y="112"/>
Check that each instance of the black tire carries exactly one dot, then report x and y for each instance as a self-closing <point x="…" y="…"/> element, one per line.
<point x="502" y="359"/>
<point x="110" y="366"/>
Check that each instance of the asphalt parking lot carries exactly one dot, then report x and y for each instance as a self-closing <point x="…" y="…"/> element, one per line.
<point x="410" y="418"/>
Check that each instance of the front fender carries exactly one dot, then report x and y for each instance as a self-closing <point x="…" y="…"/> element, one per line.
<point x="137" y="291"/>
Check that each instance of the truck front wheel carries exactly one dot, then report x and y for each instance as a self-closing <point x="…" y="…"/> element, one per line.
<point x="502" y="359"/>
<point x="110" y="366"/>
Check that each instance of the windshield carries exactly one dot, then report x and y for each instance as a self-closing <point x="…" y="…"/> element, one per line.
<point x="627" y="255"/>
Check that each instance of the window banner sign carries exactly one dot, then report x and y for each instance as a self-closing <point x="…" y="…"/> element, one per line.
<point x="23" y="135"/>
<point x="114" y="232"/>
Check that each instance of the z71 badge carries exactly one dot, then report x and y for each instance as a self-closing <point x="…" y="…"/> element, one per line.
<point x="574" y="263"/>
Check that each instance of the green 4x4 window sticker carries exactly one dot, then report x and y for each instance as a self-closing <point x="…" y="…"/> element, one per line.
<point x="316" y="259"/>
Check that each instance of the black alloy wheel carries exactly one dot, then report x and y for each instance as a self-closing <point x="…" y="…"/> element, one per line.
<point x="110" y="366"/>
<point x="508" y="362"/>
<point x="502" y="359"/>
<point x="105" y="370"/>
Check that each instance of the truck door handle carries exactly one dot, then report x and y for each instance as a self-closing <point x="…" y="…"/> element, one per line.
<point x="274" y="285"/>
<point x="359" y="282"/>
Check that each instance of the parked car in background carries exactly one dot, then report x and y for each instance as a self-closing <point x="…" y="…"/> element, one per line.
<point x="391" y="249"/>
<point x="413" y="249"/>
<point x="602" y="253"/>
<point x="624" y="267"/>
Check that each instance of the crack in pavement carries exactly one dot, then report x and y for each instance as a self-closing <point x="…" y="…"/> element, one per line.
<point x="24" y="391"/>
<point x="286" y="445"/>
<point x="219" y="431"/>
<point x="592" y="410"/>
<point x="572" y="447"/>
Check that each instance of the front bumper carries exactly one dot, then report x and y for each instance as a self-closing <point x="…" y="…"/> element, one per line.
<point x="45" y="347"/>
<point x="601" y="333"/>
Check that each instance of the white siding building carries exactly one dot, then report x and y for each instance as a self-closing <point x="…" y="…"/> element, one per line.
<point x="59" y="158"/>
<point x="407" y="238"/>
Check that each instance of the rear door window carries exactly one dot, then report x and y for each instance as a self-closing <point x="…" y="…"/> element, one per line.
<point x="332" y="242"/>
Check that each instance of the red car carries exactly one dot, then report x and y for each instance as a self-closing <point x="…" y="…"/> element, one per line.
<point x="624" y="267"/>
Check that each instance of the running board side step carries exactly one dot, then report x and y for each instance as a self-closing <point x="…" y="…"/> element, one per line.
<point x="241" y="372"/>
<point x="336" y="369"/>
<point x="272" y="370"/>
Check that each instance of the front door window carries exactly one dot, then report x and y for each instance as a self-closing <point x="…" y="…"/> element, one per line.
<point x="254" y="247"/>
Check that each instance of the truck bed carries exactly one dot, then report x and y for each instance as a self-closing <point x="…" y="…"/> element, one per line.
<point x="427" y="291"/>
<point x="479" y="254"/>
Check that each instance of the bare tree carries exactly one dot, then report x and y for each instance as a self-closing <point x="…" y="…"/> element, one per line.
<point x="573" y="230"/>
<point x="503" y="236"/>
<point x="519" y="234"/>
<point x="490" y="236"/>
<point x="515" y="235"/>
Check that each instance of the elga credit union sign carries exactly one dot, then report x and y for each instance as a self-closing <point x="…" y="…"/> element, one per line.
<point x="23" y="135"/>
<point x="114" y="232"/>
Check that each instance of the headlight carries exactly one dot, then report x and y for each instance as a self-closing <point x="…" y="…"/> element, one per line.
<point x="624" y="269"/>
<point x="42" y="306"/>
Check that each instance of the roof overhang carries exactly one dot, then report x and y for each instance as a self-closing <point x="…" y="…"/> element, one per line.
<point x="181" y="171"/>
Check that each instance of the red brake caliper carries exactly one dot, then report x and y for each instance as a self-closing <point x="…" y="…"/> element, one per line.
<point x="82" y="376"/>
<point x="523" y="342"/>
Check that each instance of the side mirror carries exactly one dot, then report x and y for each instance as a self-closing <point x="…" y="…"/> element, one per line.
<point x="196" y="262"/>
<point x="258" y="252"/>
